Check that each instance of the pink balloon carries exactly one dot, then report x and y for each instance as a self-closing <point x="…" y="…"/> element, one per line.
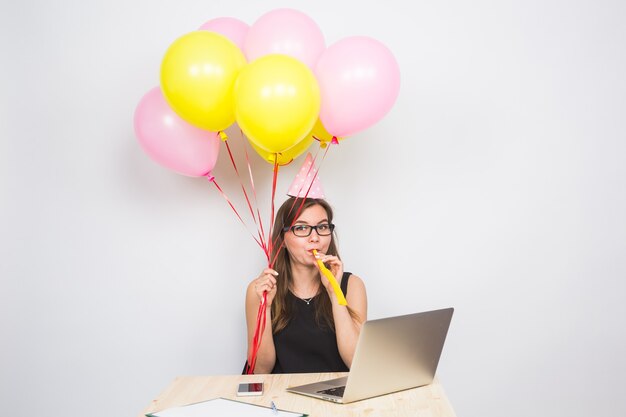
<point x="287" y="32"/>
<point x="233" y="29"/>
<point x="359" y="81"/>
<point x="171" y="141"/>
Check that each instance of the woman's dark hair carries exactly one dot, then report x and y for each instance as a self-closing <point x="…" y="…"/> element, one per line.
<point x="282" y="310"/>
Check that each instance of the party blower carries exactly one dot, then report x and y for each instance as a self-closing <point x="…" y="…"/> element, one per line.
<point x="333" y="282"/>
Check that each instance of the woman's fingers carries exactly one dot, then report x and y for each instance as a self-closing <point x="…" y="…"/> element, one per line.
<point x="270" y="271"/>
<point x="334" y="265"/>
<point x="333" y="262"/>
<point x="266" y="282"/>
<point x="268" y="275"/>
<point x="328" y="259"/>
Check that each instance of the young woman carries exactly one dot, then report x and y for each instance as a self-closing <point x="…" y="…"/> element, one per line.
<point x="306" y="329"/>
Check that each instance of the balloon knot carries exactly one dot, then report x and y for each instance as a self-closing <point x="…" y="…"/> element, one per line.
<point x="334" y="140"/>
<point x="210" y="177"/>
<point x="223" y="135"/>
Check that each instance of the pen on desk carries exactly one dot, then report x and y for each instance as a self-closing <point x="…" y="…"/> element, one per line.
<point x="274" y="409"/>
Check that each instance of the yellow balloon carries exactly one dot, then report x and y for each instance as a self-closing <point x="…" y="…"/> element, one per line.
<point x="277" y="101"/>
<point x="285" y="157"/>
<point x="198" y="75"/>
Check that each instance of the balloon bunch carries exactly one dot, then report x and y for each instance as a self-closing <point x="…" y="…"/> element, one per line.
<point x="277" y="80"/>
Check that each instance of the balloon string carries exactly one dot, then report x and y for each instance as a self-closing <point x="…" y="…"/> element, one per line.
<point x="212" y="179"/>
<point x="262" y="313"/>
<point x="258" y="334"/>
<point x="271" y="264"/>
<point x="256" y="203"/>
<point x="232" y="160"/>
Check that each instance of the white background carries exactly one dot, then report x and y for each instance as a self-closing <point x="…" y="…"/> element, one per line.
<point x="495" y="185"/>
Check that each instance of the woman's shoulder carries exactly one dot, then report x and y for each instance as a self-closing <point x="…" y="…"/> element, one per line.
<point x="352" y="278"/>
<point x="354" y="282"/>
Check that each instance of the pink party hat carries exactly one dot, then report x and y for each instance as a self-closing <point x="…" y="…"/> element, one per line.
<point x="307" y="183"/>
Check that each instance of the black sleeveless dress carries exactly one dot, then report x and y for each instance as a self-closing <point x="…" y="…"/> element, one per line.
<point x="303" y="346"/>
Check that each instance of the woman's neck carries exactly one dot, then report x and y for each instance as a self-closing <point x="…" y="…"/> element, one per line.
<point x="305" y="280"/>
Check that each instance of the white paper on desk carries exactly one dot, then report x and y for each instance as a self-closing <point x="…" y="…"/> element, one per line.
<point x="223" y="408"/>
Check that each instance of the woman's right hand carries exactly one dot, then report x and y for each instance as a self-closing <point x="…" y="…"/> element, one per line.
<point x="266" y="282"/>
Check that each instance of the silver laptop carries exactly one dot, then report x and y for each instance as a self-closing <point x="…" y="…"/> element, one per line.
<point x="392" y="354"/>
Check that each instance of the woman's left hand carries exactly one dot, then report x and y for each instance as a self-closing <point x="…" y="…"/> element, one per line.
<point x="336" y="267"/>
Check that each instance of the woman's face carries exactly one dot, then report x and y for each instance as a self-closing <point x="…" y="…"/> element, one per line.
<point x="301" y="248"/>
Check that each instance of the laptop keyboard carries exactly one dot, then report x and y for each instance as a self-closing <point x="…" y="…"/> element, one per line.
<point x="337" y="392"/>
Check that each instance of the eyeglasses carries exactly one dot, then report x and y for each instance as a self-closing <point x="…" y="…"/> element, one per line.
<point x="304" y="230"/>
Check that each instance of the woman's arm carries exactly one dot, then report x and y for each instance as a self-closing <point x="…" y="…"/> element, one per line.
<point x="266" y="355"/>
<point x="346" y="327"/>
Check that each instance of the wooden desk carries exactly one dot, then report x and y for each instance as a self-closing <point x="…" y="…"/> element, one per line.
<point x="427" y="401"/>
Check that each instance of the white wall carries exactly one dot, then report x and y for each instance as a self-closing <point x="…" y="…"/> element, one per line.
<point x="496" y="185"/>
